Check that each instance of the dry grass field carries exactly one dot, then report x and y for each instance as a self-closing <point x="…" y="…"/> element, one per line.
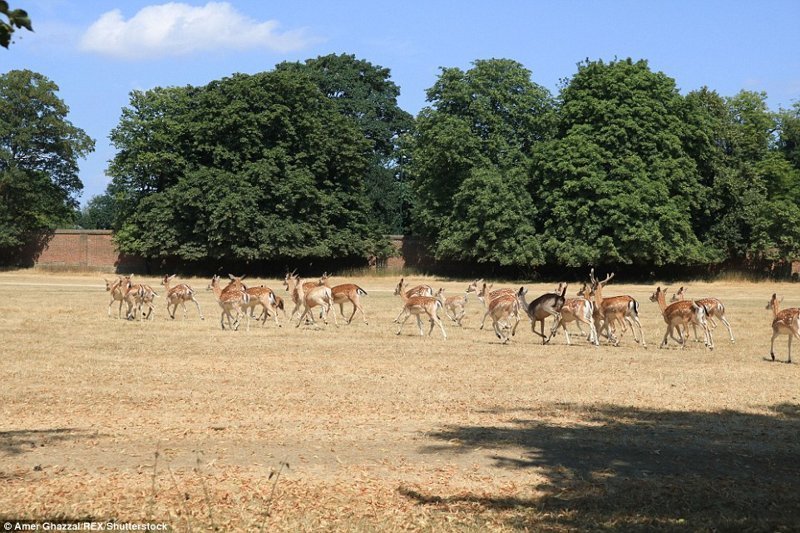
<point x="355" y="428"/>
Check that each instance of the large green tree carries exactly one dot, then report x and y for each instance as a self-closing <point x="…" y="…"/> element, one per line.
<point x="617" y="184"/>
<point x="364" y="93"/>
<point x="260" y="167"/>
<point x="39" y="152"/>
<point x="470" y="144"/>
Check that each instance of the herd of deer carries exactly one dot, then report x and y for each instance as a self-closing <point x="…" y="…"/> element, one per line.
<point x="606" y="317"/>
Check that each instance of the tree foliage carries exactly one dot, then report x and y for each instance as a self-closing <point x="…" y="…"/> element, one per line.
<point x="258" y="167"/>
<point x="39" y="152"/>
<point x="365" y="93"/>
<point x="478" y="132"/>
<point x="11" y="20"/>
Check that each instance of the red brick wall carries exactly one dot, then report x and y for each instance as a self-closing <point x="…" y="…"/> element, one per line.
<point x="79" y="249"/>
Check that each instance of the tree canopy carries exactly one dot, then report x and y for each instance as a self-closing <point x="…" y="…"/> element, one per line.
<point x="251" y="167"/>
<point x="39" y="152"/>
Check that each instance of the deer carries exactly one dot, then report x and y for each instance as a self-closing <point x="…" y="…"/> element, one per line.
<point x="714" y="307"/>
<point x="230" y="300"/>
<point x="420" y="305"/>
<point x="318" y="296"/>
<point x="578" y="310"/>
<point x="504" y="309"/>
<point x="290" y="283"/>
<point x="136" y="296"/>
<point x="267" y="299"/>
<point x="620" y="309"/>
<point x="404" y="292"/>
<point x="785" y="322"/>
<point x="454" y="306"/>
<point x="116" y="288"/>
<point x="546" y="305"/>
<point x="346" y="292"/>
<point x="486" y="297"/>
<point x="679" y="315"/>
<point x="179" y="294"/>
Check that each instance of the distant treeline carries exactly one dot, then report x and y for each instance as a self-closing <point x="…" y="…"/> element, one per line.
<point x="316" y="161"/>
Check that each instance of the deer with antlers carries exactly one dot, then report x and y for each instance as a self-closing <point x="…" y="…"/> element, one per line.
<point x="679" y="315"/>
<point x="546" y="305"/>
<point x="784" y="322"/>
<point x="346" y="292"/>
<point x="714" y="307"/>
<point x="614" y="309"/>
<point x="179" y="294"/>
<point x="417" y="306"/>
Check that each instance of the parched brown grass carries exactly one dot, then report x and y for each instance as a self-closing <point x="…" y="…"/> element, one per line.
<point x="183" y="423"/>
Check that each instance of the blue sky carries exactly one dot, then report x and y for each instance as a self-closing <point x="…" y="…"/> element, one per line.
<point x="99" y="51"/>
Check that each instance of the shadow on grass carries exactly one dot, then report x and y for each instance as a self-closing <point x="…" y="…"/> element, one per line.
<point x="16" y="442"/>
<point x="622" y="468"/>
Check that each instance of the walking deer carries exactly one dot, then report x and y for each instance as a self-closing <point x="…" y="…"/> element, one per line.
<point x="785" y="322"/>
<point x="678" y="316"/>
<point x="615" y="309"/>
<point x="580" y="311"/>
<point x="418" y="306"/>
<point x="318" y="296"/>
<point x="714" y="307"/>
<point x="503" y="310"/>
<point x="137" y="296"/>
<point x="404" y="292"/>
<point x="546" y="305"/>
<point x="230" y="300"/>
<point x="117" y="290"/>
<point x="346" y="292"/>
<point x="179" y="294"/>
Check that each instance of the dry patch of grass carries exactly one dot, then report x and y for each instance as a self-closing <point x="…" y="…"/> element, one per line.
<point x="389" y="432"/>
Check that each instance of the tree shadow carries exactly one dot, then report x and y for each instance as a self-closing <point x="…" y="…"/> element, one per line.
<point x="17" y="442"/>
<point x="623" y="468"/>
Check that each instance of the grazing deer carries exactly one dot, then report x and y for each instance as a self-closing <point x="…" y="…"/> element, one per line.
<point x="546" y="305"/>
<point x="117" y="289"/>
<point x="179" y="294"/>
<point x="318" y="296"/>
<point x="713" y="306"/>
<point x="607" y="311"/>
<point x="679" y="315"/>
<point x="404" y="292"/>
<point x="265" y="297"/>
<point x="786" y="322"/>
<point x="503" y="310"/>
<point x="578" y="310"/>
<point x="230" y="300"/>
<point x="346" y="292"/>
<point x="419" y="305"/>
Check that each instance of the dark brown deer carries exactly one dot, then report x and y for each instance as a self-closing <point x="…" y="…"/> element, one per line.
<point x="546" y="305"/>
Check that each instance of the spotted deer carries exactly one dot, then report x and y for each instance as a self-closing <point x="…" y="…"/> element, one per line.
<point x="578" y="310"/>
<point x="454" y="306"/>
<point x="290" y="283"/>
<point x="679" y="315"/>
<point x="265" y="297"/>
<point x="418" y="306"/>
<point x="346" y="292"/>
<point x="179" y="294"/>
<point x="784" y="322"/>
<point x="486" y="296"/>
<point x="614" y="309"/>
<point x="503" y="310"/>
<point x="714" y="307"/>
<point x="231" y="299"/>
<point x="137" y="295"/>
<point x="404" y="292"/>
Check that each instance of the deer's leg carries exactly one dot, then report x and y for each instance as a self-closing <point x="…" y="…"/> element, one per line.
<point x="727" y="325"/>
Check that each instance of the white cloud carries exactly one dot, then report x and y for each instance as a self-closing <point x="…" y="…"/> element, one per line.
<point x="179" y="29"/>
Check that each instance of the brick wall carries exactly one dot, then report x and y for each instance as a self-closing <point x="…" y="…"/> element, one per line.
<point x="80" y="250"/>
